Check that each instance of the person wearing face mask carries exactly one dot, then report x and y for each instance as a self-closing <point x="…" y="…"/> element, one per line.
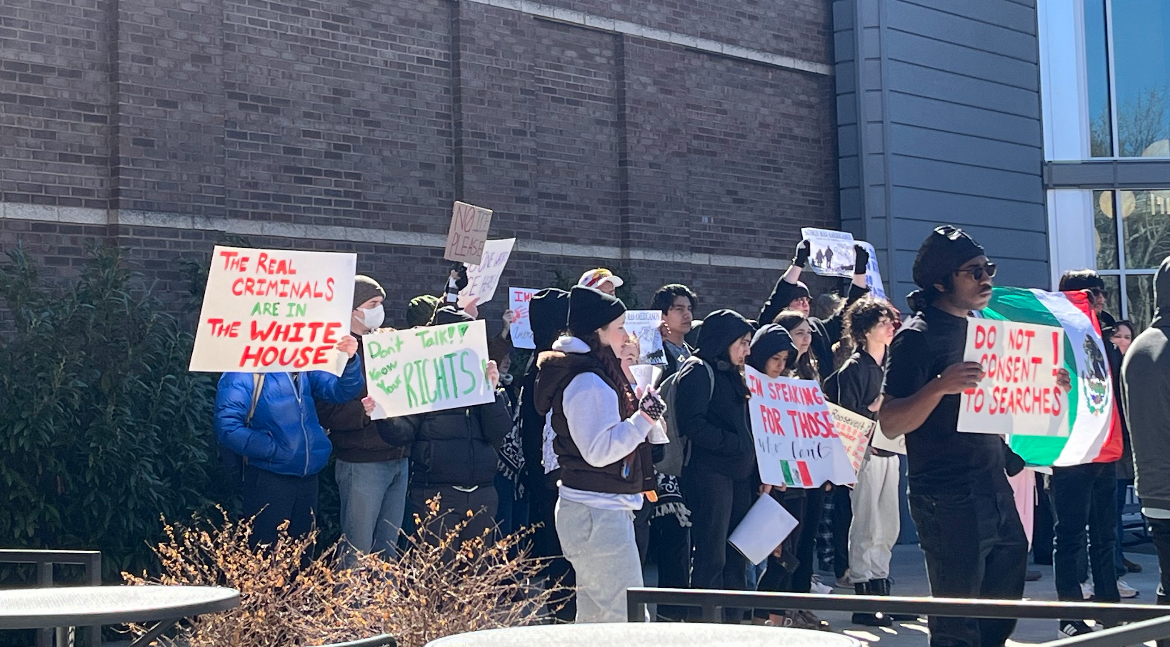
<point x="601" y="433"/>
<point x="962" y="504"/>
<point x="371" y="475"/>
<point x="719" y="479"/>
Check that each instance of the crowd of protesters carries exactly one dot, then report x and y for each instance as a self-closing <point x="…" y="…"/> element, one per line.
<point x="612" y="475"/>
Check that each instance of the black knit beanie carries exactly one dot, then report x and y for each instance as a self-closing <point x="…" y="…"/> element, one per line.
<point x="548" y="314"/>
<point x="364" y="289"/>
<point x="720" y="329"/>
<point x="769" y="340"/>
<point x="590" y="309"/>
<point x="450" y="315"/>
<point x="942" y="253"/>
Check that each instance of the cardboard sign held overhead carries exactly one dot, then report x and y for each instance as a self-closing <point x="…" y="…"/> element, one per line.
<point x="427" y="369"/>
<point x="797" y="444"/>
<point x="483" y="279"/>
<point x="646" y="325"/>
<point x="831" y="252"/>
<point x="271" y="311"/>
<point x="518" y="300"/>
<point x="468" y="233"/>
<point x="1018" y="394"/>
<point x="873" y="276"/>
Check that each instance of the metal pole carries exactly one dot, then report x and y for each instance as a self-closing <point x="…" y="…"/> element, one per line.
<point x="1133" y="634"/>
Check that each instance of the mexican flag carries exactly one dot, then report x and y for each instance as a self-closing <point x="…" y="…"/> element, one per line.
<point x="1094" y="424"/>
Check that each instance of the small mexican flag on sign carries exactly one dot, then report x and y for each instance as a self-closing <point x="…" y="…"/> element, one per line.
<point x="1094" y="424"/>
<point x="796" y="473"/>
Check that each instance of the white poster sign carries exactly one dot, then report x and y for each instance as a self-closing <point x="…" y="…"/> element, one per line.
<point x="873" y="276"/>
<point x="647" y="326"/>
<point x="483" y="279"/>
<point x="518" y="300"/>
<point x="831" y="252"/>
<point x="765" y="527"/>
<point x="269" y="311"/>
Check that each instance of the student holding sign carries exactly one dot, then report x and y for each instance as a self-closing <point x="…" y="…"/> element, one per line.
<point x="963" y="507"/>
<point x="271" y="421"/>
<point x="601" y="444"/>
<point x="857" y="386"/>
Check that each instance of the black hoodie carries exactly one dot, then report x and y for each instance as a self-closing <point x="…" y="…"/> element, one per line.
<point x="715" y="421"/>
<point x="1145" y="381"/>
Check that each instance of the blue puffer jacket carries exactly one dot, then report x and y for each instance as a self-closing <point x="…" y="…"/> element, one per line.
<point x="285" y="436"/>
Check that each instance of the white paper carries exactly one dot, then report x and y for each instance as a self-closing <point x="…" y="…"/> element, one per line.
<point x="645" y="375"/>
<point x="518" y="301"/>
<point x="897" y="445"/>
<point x="482" y="279"/>
<point x="765" y="527"/>
<point x="647" y="326"/>
<point x="831" y="252"/>
<point x="268" y="310"/>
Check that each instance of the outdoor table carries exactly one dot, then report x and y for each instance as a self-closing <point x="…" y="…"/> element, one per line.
<point x="79" y="606"/>
<point x="647" y="634"/>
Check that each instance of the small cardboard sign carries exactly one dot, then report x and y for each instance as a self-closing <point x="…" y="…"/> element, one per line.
<point x="647" y="326"/>
<point x="468" y="233"/>
<point x="831" y="252"/>
<point x="271" y="311"/>
<point x="1018" y="393"/>
<point x="873" y="277"/>
<point x="797" y="444"/>
<point x="855" y="431"/>
<point x="427" y="369"/>
<point x="483" y="279"/>
<point x="518" y="300"/>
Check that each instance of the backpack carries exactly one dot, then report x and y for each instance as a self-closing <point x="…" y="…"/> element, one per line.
<point x="678" y="451"/>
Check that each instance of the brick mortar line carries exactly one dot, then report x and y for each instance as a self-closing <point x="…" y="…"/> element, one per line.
<point x="132" y="218"/>
<point x="661" y="35"/>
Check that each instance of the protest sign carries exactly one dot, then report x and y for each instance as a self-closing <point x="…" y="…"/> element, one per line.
<point x="766" y="526"/>
<point x="427" y="369"/>
<point x="518" y="300"/>
<point x="646" y="325"/>
<point x="482" y="279"/>
<point x="879" y="441"/>
<point x="831" y="252"/>
<point x="855" y="431"/>
<point x="467" y="234"/>
<point x="796" y="439"/>
<point x="873" y="277"/>
<point x="1018" y="393"/>
<point x="268" y="311"/>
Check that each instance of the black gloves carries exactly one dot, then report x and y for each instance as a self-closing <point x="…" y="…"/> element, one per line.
<point x="653" y="406"/>
<point x="862" y="261"/>
<point x="802" y="252"/>
<point x="460" y="276"/>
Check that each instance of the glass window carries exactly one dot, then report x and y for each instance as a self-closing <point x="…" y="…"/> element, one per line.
<point x="1139" y="295"/>
<point x="1113" y="298"/>
<point x="1097" y="66"/>
<point x="1146" y="222"/>
<point x="1106" y="230"/>
<point x="1141" y="63"/>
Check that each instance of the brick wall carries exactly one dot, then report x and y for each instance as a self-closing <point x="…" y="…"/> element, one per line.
<point x="174" y="119"/>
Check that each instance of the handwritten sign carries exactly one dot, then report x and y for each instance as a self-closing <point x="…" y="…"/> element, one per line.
<point x="855" y="431"/>
<point x="831" y="252"/>
<point x="879" y="441"/>
<point x="873" y="277"/>
<point x="268" y="311"/>
<point x="646" y="325"/>
<point x="467" y="234"/>
<point x="1018" y="394"/>
<point x="518" y="300"/>
<point x="797" y="444"/>
<point x="483" y="279"/>
<point x="427" y="369"/>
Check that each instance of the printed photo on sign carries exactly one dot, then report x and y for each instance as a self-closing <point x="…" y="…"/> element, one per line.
<point x="467" y="234"/>
<point x="427" y="369"/>
<point x="483" y="279"/>
<point x="518" y="300"/>
<point x="873" y="277"/>
<point x="855" y="431"/>
<point x="1018" y="393"/>
<point x="830" y="252"/>
<point x="647" y="326"/>
<point x="269" y="310"/>
<point x="797" y="444"/>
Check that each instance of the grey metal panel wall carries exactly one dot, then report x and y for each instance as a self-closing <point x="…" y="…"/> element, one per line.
<point x="947" y="130"/>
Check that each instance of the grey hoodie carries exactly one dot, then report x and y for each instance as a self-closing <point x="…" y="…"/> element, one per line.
<point x="1145" y="384"/>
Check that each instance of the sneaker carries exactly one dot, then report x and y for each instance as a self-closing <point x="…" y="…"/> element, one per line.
<point x="819" y="588"/>
<point x="808" y="620"/>
<point x="1126" y="590"/>
<point x="1086" y="591"/>
<point x="1131" y="566"/>
<point x="1070" y="628"/>
<point x="843" y="582"/>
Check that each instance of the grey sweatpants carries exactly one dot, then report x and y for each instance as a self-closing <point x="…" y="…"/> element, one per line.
<point x="601" y="547"/>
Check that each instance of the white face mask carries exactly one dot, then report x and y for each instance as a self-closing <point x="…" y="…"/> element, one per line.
<point x="373" y="317"/>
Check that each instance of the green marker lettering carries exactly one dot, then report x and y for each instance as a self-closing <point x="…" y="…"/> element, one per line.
<point x="463" y="367"/>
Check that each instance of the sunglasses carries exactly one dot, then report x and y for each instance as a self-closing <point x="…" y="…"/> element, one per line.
<point x="979" y="271"/>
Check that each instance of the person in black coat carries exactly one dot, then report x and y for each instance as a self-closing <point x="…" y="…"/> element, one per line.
<point x="453" y="452"/>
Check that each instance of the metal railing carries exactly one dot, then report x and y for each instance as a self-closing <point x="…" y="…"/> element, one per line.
<point x="1148" y="622"/>
<point x="44" y="561"/>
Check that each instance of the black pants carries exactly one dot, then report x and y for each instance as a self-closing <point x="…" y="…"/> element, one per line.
<point x="273" y="499"/>
<point x="670" y="544"/>
<point x="718" y="503"/>
<point x="454" y="504"/>
<point x="975" y="547"/>
<point x="1085" y="495"/>
<point x="806" y="546"/>
<point x="842" y="519"/>
<point x="1160" y="534"/>
<point x="557" y="570"/>
<point x="1043" y="524"/>
<point x="778" y="576"/>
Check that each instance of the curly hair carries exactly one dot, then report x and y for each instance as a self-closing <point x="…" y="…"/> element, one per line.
<point x="805" y="367"/>
<point x="860" y="319"/>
